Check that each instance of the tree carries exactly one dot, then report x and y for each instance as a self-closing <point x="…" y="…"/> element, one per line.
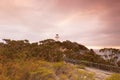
<point x="111" y="55"/>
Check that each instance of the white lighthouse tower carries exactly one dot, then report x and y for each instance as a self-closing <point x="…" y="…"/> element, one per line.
<point x="57" y="37"/>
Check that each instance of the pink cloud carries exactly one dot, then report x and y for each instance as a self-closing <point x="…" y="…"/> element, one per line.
<point x="91" y="22"/>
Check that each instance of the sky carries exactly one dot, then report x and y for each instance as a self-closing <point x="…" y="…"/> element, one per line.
<point x="93" y="23"/>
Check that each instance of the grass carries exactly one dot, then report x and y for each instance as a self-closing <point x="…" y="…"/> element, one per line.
<point x="114" y="77"/>
<point x="42" y="70"/>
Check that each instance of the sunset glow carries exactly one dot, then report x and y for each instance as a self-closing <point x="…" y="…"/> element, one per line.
<point x="94" y="23"/>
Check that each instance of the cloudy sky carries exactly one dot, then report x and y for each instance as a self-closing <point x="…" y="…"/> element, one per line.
<point x="94" y="23"/>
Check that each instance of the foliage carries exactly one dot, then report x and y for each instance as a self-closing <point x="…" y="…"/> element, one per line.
<point x="45" y="50"/>
<point x="42" y="70"/>
<point x="85" y="76"/>
<point x="111" y="55"/>
<point x="114" y="77"/>
<point x="80" y="66"/>
<point x="118" y="63"/>
<point x="49" y="50"/>
<point x="44" y="60"/>
<point x="42" y="74"/>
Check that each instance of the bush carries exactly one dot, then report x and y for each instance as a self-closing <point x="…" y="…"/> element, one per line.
<point x="114" y="77"/>
<point x="118" y="63"/>
<point x="83" y="75"/>
<point x="61" y="68"/>
<point x="42" y="74"/>
<point x="81" y="66"/>
<point x="42" y="70"/>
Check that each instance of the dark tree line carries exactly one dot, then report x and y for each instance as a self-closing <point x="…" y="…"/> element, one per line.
<point x="49" y="50"/>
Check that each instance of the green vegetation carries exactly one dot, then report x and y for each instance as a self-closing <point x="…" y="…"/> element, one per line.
<point x="44" y="60"/>
<point x="118" y="63"/>
<point x="114" y="77"/>
<point x="112" y="57"/>
<point x="81" y="66"/>
<point x="42" y="70"/>
<point x="49" y="50"/>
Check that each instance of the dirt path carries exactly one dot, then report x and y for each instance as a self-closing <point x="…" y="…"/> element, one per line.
<point x="99" y="74"/>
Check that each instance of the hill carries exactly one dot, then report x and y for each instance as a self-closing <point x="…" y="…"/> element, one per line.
<point x="45" y="60"/>
<point x="49" y="50"/>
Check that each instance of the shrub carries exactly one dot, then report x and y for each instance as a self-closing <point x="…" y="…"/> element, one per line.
<point x="83" y="75"/>
<point x="42" y="70"/>
<point x="42" y="74"/>
<point x="114" y="77"/>
<point x="80" y="66"/>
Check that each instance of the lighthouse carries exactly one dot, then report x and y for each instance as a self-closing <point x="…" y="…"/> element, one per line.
<point x="57" y="37"/>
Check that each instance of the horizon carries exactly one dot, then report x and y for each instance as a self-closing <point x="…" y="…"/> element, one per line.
<point x="89" y="47"/>
<point x="93" y="23"/>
